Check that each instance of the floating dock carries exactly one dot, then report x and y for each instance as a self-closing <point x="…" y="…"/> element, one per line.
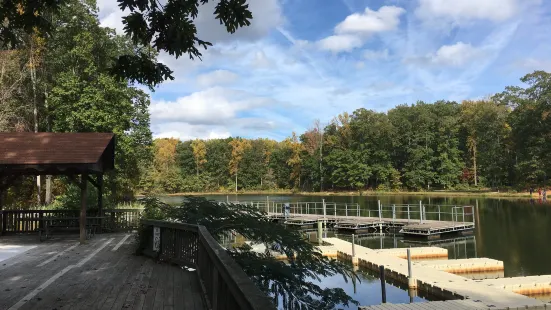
<point x="445" y="285"/>
<point x="416" y="253"/>
<point x="430" y="229"/>
<point x="467" y="265"/>
<point x="529" y="286"/>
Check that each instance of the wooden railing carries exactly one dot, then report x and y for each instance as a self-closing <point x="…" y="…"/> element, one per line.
<point x="225" y="284"/>
<point x="23" y="221"/>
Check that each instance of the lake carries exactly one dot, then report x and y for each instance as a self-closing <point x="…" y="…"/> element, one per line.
<point x="516" y="231"/>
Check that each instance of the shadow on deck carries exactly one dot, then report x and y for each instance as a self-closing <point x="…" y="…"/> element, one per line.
<point x="103" y="274"/>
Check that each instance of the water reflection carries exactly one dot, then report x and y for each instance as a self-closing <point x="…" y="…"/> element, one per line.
<point x="510" y="230"/>
<point x="368" y="292"/>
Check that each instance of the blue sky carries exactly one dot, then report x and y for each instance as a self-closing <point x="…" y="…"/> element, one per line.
<point x="302" y="60"/>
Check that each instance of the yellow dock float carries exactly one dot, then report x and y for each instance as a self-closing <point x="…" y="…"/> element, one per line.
<point x="435" y="282"/>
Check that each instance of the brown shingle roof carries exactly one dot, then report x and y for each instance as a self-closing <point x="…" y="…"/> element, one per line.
<point x="28" y="148"/>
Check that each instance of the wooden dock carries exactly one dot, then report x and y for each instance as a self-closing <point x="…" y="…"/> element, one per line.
<point x="436" y="282"/>
<point x="358" y="224"/>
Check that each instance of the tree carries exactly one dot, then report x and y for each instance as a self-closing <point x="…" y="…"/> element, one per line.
<point x="530" y="121"/>
<point x="152" y="27"/>
<point x="199" y="153"/>
<point x="295" y="160"/>
<point x="290" y="285"/>
<point x="487" y="136"/>
<point x="239" y="147"/>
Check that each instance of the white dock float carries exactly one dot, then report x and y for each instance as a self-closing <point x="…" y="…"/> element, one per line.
<point x="467" y="265"/>
<point x="532" y="285"/>
<point x="416" y="253"/>
<point x="436" y="282"/>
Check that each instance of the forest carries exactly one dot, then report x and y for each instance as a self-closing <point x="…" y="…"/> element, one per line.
<point x="501" y="142"/>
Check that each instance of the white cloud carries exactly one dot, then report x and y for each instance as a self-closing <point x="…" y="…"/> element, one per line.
<point x="532" y="64"/>
<point x="456" y="55"/>
<point x="209" y="107"/>
<point x="340" y="43"/>
<point x="217" y="77"/>
<point x="260" y="60"/>
<point x="467" y="10"/>
<point x="387" y="18"/>
<point x="375" y="55"/>
<point x="356" y="28"/>
<point x="185" y="131"/>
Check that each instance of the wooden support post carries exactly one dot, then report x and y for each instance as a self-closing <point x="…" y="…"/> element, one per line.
<point x="83" y="196"/>
<point x="100" y="200"/>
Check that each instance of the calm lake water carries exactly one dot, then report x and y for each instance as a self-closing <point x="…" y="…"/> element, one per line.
<point x="516" y="231"/>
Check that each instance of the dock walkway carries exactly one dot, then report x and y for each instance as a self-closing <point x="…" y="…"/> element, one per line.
<point x="103" y="274"/>
<point x="436" y="282"/>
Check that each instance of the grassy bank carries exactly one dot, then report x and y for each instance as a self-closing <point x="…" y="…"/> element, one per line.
<point x="474" y="193"/>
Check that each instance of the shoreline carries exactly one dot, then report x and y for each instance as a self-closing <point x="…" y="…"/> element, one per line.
<point x="485" y="194"/>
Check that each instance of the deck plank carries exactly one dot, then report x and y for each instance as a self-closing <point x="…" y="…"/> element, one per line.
<point x="92" y="276"/>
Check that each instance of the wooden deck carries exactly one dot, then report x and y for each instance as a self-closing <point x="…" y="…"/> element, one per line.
<point x="102" y="274"/>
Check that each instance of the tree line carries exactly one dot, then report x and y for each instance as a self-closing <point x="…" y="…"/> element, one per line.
<point x="501" y="141"/>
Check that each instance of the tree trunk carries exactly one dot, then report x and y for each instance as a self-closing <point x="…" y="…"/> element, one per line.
<point x="321" y="160"/>
<point x="35" y="117"/>
<point x="48" y="198"/>
<point x="474" y="165"/>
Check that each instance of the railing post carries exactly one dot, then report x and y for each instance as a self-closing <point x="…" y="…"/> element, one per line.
<point x="439" y="212"/>
<point x="358" y="209"/>
<point x="353" y="249"/>
<point x="380" y="209"/>
<point x="320" y="233"/>
<point x="408" y="212"/>
<point x="335" y="209"/>
<point x="346" y="209"/>
<point x="463" y="211"/>
<point x="324" y="211"/>
<point x="412" y="283"/>
<point x="393" y="212"/>
<point x="421" y="211"/>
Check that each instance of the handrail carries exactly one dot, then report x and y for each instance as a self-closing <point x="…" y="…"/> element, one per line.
<point x="225" y="284"/>
<point x="25" y="221"/>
